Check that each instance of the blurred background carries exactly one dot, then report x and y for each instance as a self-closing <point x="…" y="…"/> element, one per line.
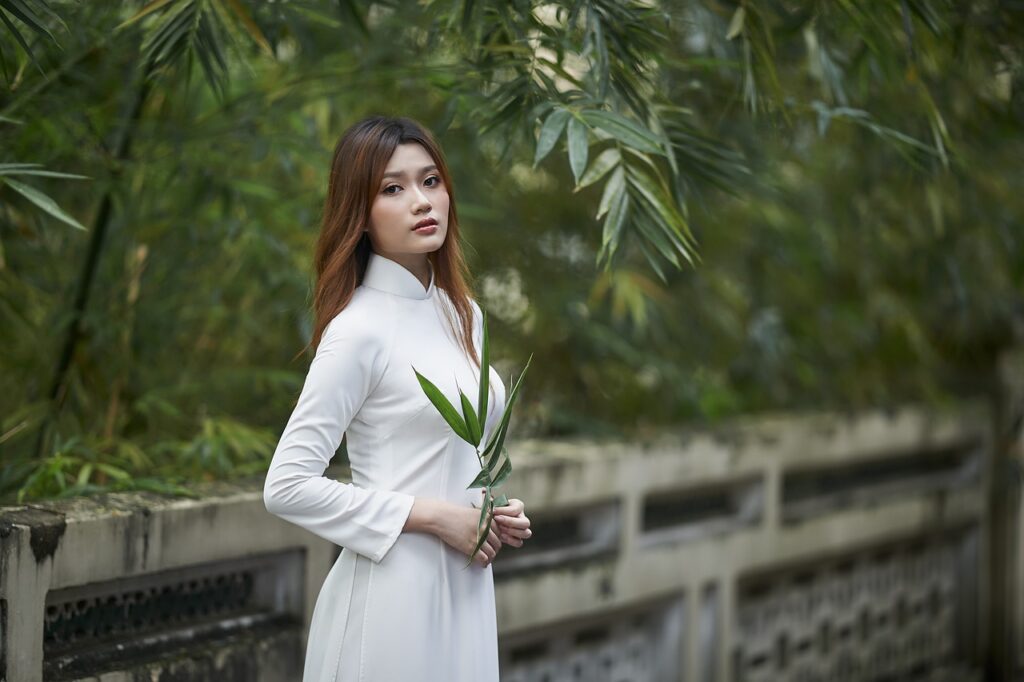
<point x="768" y="258"/>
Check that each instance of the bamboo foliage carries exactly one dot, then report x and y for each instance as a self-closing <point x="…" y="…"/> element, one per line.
<point x="790" y="205"/>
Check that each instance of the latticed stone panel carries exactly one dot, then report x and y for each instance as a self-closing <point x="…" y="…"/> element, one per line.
<point x="888" y="614"/>
<point x="84" y="621"/>
<point x="640" y="646"/>
<point x="150" y="618"/>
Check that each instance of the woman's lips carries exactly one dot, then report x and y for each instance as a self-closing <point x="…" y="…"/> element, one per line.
<point x="426" y="229"/>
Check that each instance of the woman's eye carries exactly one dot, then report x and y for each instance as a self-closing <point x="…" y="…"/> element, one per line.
<point x="432" y="177"/>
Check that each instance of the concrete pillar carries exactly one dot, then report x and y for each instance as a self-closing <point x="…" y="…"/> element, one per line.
<point x="1006" y="568"/>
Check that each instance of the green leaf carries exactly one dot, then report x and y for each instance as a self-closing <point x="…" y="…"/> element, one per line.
<point x="483" y="478"/>
<point x="657" y="236"/>
<point x="501" y="500"/>
<point x="486" y="507"/>
<point x="42" y="201"/>
<point x="495" y="453"/>
<point x="665" y="211"/>
<point x="84" y="473"/>
<point x="472" y="425"/>
<point x="736" y="24"/>
<point x="624" y="130"/>
<point x="21" y="41"/>
<point x="503" y="473"/>
<point x="444" y="407"/>
<point x="43" y="173"/>
<point x="616" y="185"/>
<point x="485" y="376"/>
<point x="28" y="17"/>
<point x="151" y="7"/>
<point x="549" y="134"/>
<point x="604" y="162"/>
<point x="616" y="219"/>
<point x="250" y="26"/>
<point x="652" y="260"/>
<point x="114" y="472"/>
<point x="499" y="435"/>
<point x="578" y="148"/>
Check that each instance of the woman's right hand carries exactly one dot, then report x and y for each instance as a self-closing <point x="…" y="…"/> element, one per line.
<point x="457" y="527"/>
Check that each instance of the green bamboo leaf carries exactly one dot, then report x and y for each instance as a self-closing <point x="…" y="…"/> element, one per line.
<point x="44" y="173"/>
<point x="472" y="424"/>
<point x="482" y="479"/>
<point x="616" y="219"/>
<point x="665" y="211"/>
<point x="652" y="260"/>
<point x="578" y="148"/>
<point x="503" y="473"/>
<point x="24" y="45"/>
<point x="736" y="23"/>
<point x="28" y="17"/>
<point x="616" y="185"/>
<point x="499" y="437"/>
<point x="42" y="201"/>
<point x="151" y="7"/>
<point x="604" y="162"/>
<point x="549" y="134"/>
<point x="168" y="40"/>
<point x="250" y="26"/>
<point x="624" y="130"/>
<point x="446" y="409"/>
<point x="113" y="471"/>
<point x="495" y="454"/>
<point x="486" y="507"/>
<point x="657" y="236"/>
<point x="485" y="377"/>
<point x="84" y="473"/>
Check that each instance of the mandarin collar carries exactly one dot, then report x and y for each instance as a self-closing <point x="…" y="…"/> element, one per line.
<point x="384" y="274"/>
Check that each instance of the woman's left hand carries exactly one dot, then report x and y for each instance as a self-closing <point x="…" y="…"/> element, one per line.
<point x="513" y="526"/>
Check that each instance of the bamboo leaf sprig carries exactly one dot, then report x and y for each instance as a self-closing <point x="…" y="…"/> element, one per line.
<point x="495" y="464"/>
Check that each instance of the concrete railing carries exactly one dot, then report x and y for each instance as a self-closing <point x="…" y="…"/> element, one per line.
<point x="799" y="547"/>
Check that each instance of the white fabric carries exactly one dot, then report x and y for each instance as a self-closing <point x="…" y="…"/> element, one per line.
<point x="396" y="605"/>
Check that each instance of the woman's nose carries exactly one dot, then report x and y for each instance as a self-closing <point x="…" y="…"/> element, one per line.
<point x="420" y="199"/>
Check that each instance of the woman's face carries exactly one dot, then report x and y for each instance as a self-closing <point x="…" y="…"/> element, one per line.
<point x="410" y="191"/>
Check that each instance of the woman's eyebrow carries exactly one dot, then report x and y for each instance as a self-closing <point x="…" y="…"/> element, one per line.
<point x="396" y="174"/>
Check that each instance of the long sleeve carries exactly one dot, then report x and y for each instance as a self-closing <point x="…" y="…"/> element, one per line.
<point x="349" y="362"/>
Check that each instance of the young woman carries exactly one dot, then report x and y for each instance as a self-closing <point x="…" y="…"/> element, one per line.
<point x="399" y="603"/>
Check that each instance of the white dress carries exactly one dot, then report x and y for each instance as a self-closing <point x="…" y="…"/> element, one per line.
<point x="395" y="605"/>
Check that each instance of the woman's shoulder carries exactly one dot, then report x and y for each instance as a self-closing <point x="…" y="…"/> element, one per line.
<point x="367" y="317"/>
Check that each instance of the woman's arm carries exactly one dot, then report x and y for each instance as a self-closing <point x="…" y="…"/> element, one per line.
<point x="349" y="361"/>
<point x="425" y="516"/>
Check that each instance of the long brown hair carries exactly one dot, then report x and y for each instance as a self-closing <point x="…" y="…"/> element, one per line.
<point x="343" y="248"/>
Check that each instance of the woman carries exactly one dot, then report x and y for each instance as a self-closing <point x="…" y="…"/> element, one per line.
<point x="400" y="602"/>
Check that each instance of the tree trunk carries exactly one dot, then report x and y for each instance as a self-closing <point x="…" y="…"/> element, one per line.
<point x="122" y="149"/>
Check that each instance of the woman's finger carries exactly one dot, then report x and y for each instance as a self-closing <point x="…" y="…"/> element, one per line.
<point x="515" y="507"/>
<point x="512" y="521"/>
<point x="520" y="534"/>
<point x="493" y="545"/>
<point x="508" y="540"/>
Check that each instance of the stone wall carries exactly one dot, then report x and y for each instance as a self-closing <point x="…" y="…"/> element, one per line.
<point x="831" y="547"/>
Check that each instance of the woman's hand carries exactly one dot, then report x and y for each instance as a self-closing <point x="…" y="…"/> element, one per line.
<point x="457" y="527"/>
<point x="512" y="524"/>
